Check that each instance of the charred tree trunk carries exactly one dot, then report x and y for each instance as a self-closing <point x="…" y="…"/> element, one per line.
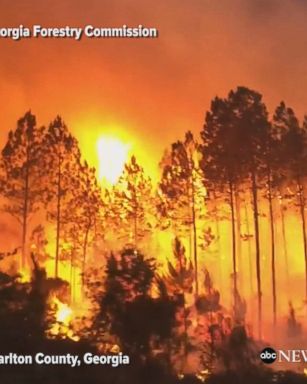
<point x="135" y="220"/>
<point x="238" y="229"/>
<point x="185" y="322"/>
<point x="194" y="229"/>
<point x="58" y="216"/>
<point x="257" y="246"/>
<point x="185" y="317"/>
<point x="25" y="216"/>
<point x="135" y="231"/>
<point x="250" y="266"/>
<point x="233" y="230"/>
<point x="84" y="252"/>
<point x="285" y="244"/>
<point x="218" y="239"/>
<point x="272" y="231"/>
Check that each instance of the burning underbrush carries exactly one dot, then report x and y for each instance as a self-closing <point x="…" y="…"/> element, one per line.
<point x="154" y="316"/>
<point x="62" y="316"/>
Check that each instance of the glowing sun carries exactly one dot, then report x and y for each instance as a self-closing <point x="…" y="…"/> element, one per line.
<point x="112" y="155"/>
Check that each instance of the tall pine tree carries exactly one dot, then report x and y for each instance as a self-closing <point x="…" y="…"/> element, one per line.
<point x="61" y="160"/>
<point x="21" y="176"/>
<point x="184" y="193"/>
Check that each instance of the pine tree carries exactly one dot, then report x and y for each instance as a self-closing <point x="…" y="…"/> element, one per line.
<point x="221" y="162"/>
<point x="274" y="172"/>
<point x="61" y="159"/>
<point x="293" y="152"/>
<point x="131" y="206"/>
<point x="210" y="329"/>
<point x="179" y="283"/>
<point x="21" y="174"/>
<point x="83" y="215"/>
<point x="184" y="193"/>
<point x="235" y="136"/>
<point x="127" y="309"/>
<point x="250" y="118"/>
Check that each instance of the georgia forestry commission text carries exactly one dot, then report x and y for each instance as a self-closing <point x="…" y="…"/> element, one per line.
<point x="76" y="33"/>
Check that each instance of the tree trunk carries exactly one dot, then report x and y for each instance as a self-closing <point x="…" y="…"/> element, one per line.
<point x="238" y="242"/>
<point x="58" y="218"/>
<point x="135" y="231"/>
<point x="185" y="322"/>
<point x="272" y="230"/>
<point x="302" y="212"/>
<point x="234" y="256"/>
<point x="135" y="220"/>
<point x="285" y="244"/>
<point x="84" y="251"/>
<point x="185" y="319"/>
<point x="218" y="239"/>
<point x="25" y="218"/>
<point x="257" y="245"/>
<point x="190" y="237"/>
<point x="251" y="277"/>
<point x="194" y="227"/>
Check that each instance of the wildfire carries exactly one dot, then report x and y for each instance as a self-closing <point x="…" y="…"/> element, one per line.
<point x="63" y="313"/>
<point x="112" y="155"/>
<point x="63" y="320"/>
<point x="24" y="276"/>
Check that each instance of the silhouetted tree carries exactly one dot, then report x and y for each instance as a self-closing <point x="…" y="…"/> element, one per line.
<point x="294" y="327"/>
<point x="131" y="205"/>
<point x="284" y="117"/>
<point x="184" y="192"/>
<point x="221" y="162"/>
<point x="294" y="141"/>
<point x="61" y="159"/>
<point x="274" y="173"/>
<point x="179" y="281"/>
<point x="83" y="215"/>
<point x="127" y="309"/>
<point x="210" y="322"/>
<point x="23" y="314"/>
<point x="238" y="353"/>
<point x="250" y="118"/>
<point x="21" y="174"/>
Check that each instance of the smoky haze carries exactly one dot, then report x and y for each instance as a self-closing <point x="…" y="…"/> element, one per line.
<point x="151" y="88"/>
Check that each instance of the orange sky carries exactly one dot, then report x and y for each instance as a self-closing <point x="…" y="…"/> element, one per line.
<point x="148" y="91"/>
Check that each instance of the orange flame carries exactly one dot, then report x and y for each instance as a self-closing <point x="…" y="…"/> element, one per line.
<point x="63" y="320"/>
<point x="64" y="312"/>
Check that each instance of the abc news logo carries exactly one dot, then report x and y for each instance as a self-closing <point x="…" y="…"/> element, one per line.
<point x="269" y="355"/>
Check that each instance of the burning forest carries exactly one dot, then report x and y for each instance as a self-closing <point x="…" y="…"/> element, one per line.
<point x="191" y="274"/>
